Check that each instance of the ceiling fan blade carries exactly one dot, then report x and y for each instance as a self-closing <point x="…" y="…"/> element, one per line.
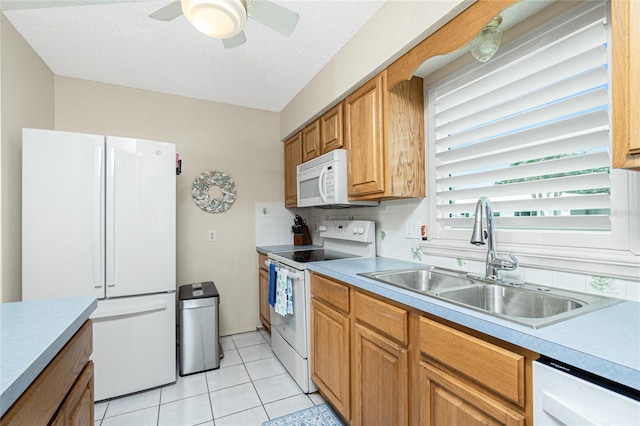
<point x="234" y="41"/>
<point x="168" y="12"/>
<point x="276" y="17"/>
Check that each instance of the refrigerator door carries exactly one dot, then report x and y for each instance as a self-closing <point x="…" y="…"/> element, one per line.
<point x="141" y="217"/>
<point x="62" y="214"/>
<point x="134" y="344"/>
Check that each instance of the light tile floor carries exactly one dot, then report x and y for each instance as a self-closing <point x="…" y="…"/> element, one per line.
<point x="250" y="387"/>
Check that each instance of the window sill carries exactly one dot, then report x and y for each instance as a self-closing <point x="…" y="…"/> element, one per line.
<point x="610" y="263"/>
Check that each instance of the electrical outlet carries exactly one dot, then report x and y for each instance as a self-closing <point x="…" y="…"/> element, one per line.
<point x="212" y="235"/>
<point x="412" y="230"/>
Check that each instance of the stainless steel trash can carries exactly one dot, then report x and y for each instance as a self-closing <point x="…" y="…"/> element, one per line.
<point x="200" y="348"/>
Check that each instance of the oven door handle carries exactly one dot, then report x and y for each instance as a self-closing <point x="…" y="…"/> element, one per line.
<point x="295" y="275"/>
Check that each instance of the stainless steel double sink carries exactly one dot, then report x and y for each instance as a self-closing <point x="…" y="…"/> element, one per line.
<point x="528" y="304"/>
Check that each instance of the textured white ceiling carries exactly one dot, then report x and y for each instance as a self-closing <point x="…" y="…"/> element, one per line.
<point x="116" y="43"/>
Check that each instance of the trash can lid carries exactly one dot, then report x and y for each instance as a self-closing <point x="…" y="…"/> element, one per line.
<point x="199" y="290"/>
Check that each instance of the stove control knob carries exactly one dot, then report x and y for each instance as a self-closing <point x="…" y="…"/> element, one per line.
<point x="322" y="228"/>
<point x="361" y="230"/>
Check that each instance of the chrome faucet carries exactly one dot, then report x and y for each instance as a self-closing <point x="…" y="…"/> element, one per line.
<point x="493" y="263"/>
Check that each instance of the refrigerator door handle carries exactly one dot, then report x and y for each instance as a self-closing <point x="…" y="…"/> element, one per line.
<point x="98" y="219"/>
<point x="134" y="309"/>
<point x="111" y="201"/>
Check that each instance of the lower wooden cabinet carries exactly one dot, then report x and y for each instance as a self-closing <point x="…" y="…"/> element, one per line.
<point x="63" y="393"/>
<point x="448" y="400"/>
<point x="77" y="410"/>
<point x="378" y="362"/>
<point x="330" y="355"/>
<point x="263" y="291"/>
<point x="381" y="380"/>
<point x="471" y="379"/>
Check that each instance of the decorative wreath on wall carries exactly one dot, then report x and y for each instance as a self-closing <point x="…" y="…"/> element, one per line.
<point x="200" y="191"/>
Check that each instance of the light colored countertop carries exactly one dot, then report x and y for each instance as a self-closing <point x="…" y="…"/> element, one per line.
<point x="604" y="342"/>
<point x="31" y="335"/>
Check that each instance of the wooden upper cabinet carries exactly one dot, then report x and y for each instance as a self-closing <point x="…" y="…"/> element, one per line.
<point x="292" y="157"/>
<point x="625" y="85"/>
<point x="311" y="141"/>
<point x="331" y="129"/>
<point x="364" y="139"/>
<point x="384" y="137"/>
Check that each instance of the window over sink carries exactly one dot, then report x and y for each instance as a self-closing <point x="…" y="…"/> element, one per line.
<point x="531" y="129"/>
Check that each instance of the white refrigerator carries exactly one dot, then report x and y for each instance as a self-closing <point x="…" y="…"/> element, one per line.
<point x="98" y="218"/>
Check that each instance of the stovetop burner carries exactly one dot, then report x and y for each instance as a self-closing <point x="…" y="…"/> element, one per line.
<point x="315" y="255"/>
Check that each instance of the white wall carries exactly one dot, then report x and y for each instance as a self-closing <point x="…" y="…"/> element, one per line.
<point x="397" y="26"/>
<point x="209" y="136"/>
<point x="27" y="101"/>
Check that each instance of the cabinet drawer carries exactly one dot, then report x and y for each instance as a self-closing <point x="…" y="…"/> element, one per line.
<point x="382" y="316"/>
<point x="494" y="367"/>
<point x="332" y="292"/>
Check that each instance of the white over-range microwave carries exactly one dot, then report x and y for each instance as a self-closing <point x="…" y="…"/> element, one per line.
<point x="322" y="182"/>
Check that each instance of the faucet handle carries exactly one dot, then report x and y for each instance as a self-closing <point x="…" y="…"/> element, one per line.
<point x="504" y="264"/>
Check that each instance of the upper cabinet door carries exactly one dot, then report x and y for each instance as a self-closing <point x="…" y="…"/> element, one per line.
<point x="364" y="138"/>
<point x="311" y="141"/>
<point x="331" y="130"/>
<point x="626" y="87"/>
<point x="292" y="157"/>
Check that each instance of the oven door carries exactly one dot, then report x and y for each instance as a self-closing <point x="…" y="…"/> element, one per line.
<point x="293" y="327"/>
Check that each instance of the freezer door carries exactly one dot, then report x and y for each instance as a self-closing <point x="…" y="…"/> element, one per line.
<point x="141" y="217"/>
<point x="134" y="344"/>
<point x="62" y="214"/>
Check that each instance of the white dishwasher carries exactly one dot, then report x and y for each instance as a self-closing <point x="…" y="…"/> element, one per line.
<point x="563" y="395"/>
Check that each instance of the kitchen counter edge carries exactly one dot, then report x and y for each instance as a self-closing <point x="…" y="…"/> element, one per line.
<point x="32" y="334"/>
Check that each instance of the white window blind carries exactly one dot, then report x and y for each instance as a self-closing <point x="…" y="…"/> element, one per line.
<point x="530" y="130"/>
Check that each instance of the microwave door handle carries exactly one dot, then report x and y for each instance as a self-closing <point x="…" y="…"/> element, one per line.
<point x="321" y="185"/>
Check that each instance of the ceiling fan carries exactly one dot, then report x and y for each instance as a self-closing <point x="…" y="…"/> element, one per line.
<point x="225" y="19"/>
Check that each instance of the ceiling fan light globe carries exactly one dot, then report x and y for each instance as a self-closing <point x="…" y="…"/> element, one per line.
<point x="216" y="18"/>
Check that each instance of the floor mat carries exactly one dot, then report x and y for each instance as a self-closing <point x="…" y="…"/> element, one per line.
<point x="319" y="415"/>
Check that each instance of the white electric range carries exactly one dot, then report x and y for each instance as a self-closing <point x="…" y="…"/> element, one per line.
<point x="290" y="335"/>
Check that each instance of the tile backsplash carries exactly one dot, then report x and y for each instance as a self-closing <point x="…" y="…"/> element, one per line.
<point x="392" y="217"/>
<point x="273" y="224"/>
